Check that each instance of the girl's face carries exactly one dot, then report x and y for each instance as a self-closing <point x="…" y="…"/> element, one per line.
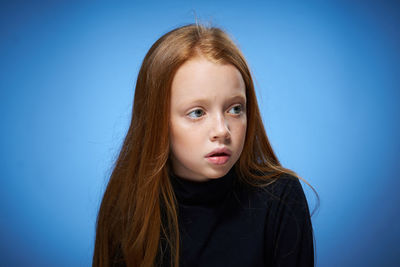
<point x="208" y="119"/>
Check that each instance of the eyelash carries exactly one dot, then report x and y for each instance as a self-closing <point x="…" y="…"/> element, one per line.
<point x="198" y="116"/>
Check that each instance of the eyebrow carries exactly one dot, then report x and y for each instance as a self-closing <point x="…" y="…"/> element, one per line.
<point x="239" y="97"/>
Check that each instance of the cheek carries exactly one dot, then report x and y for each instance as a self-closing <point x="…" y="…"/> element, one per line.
<point x="240" y="129"/>
<point x="183" y="139"/>
<point x="242" y="137"/>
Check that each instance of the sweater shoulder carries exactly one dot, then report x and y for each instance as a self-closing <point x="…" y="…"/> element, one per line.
<point x="286" y="185"/>
<point x="285" y="189"/>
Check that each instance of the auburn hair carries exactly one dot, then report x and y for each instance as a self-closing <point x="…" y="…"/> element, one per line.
<point x="138" y="212"/>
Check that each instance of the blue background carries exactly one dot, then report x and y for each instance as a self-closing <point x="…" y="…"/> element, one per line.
<point x="327" y="75"/>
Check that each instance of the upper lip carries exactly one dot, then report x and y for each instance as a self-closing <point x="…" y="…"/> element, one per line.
<point x="222" y="150"/>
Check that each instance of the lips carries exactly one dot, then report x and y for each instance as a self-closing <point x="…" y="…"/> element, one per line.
<point x="219" y="156"/>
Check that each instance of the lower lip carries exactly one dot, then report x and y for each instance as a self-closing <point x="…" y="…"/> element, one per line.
<point x="218" y="160"/>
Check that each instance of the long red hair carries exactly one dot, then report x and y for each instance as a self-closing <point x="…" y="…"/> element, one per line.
<point x="139" y="208"/>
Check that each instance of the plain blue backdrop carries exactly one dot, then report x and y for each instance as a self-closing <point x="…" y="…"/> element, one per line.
<point x="327" y="77"/>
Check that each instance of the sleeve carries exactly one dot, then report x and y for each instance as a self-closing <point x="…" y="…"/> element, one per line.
<point x="289" y="233"/>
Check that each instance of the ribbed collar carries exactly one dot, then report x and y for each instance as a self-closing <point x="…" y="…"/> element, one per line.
<point x="207" y="193"/>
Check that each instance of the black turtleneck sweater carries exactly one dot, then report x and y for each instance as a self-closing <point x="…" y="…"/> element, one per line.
<point x="224" y="222"/>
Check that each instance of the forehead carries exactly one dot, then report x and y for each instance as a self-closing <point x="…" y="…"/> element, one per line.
<point x="201" y="78"/>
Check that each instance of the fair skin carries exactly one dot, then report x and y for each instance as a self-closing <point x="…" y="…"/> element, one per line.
<point x="208" y="119"/>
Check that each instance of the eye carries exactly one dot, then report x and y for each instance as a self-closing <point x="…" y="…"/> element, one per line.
<point x="236" y="110"/>
<point x="195" y="114"/>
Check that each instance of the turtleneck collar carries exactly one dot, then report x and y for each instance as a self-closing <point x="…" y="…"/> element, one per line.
<point x="210" y="192"/>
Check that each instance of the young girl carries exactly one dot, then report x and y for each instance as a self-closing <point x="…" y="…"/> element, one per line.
<point x="196" y="182"/>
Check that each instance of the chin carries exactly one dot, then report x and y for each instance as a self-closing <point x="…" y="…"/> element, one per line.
<point x="217" y="174"/>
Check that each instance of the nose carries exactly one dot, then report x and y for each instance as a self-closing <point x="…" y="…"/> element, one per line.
<point x="220" y="128"/>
